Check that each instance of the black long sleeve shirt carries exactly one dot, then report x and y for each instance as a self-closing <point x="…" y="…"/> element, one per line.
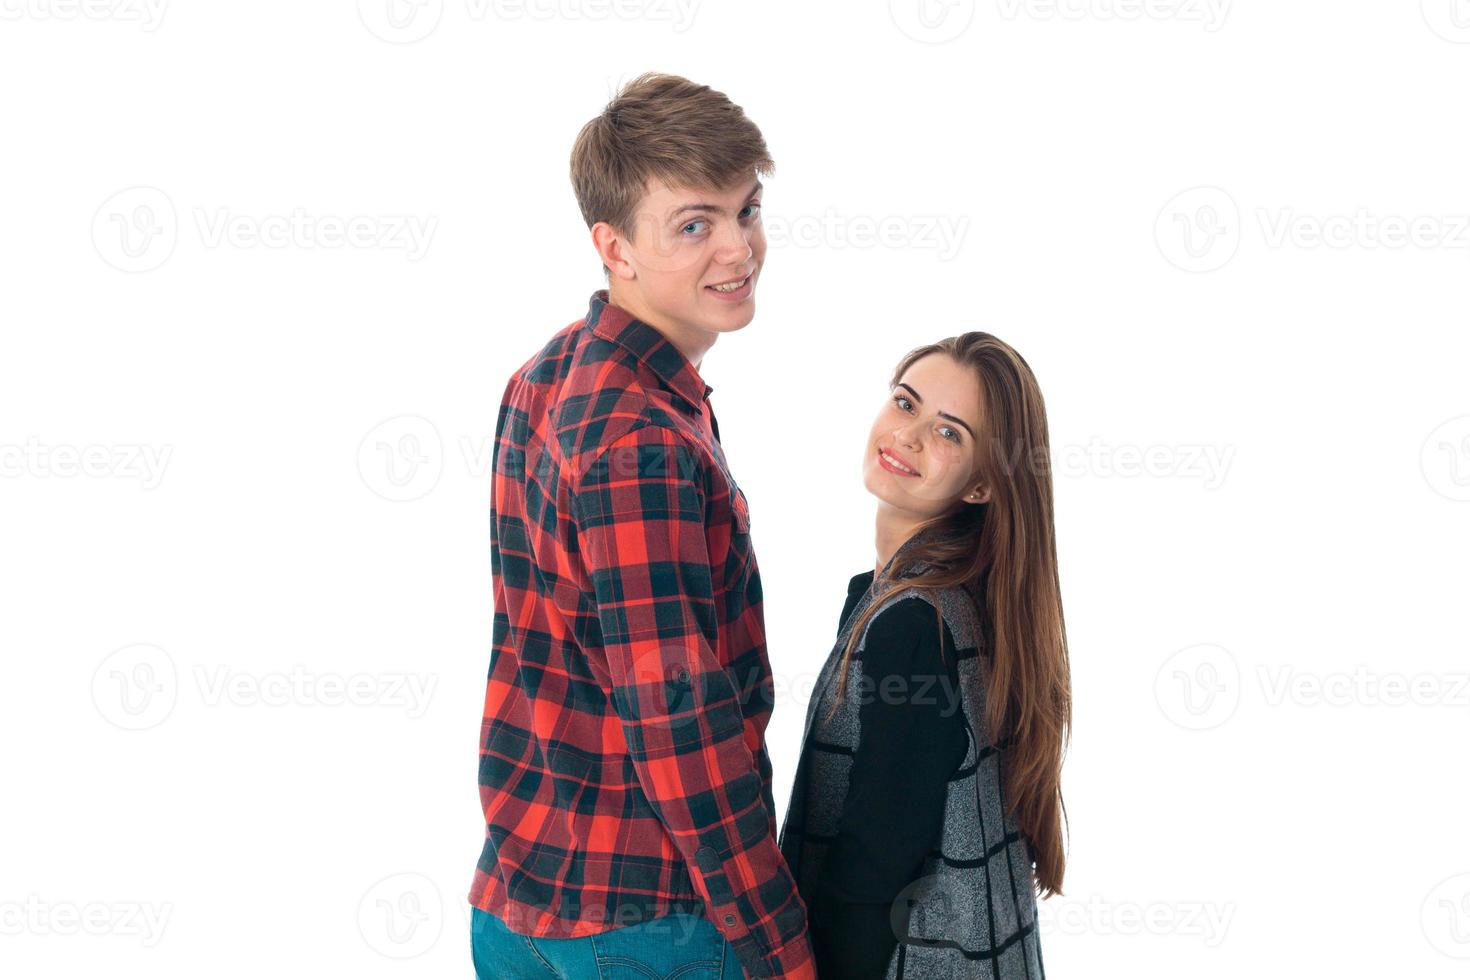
<point x="912" y="739"/>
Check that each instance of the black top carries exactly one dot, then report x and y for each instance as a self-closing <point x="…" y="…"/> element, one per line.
<point x="912" y="738"/>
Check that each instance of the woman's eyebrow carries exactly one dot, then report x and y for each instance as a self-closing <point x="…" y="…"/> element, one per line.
<point x="943" y="415"/>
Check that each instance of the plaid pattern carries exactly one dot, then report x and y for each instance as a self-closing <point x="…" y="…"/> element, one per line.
<point x="623" y="769"/>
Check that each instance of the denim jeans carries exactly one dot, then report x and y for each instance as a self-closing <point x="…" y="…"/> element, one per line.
<point x="670" y="947"/>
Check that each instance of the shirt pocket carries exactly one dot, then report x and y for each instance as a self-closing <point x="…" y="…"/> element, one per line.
<point x="740" y="511"/>
<point x="739" y="557"/>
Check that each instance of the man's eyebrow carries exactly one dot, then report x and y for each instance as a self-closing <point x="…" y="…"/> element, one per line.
<point x="714" y="207"/>
<point x="943" y="415"/>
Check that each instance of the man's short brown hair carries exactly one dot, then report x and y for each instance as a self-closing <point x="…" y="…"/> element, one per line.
<point x="665" y="127"/>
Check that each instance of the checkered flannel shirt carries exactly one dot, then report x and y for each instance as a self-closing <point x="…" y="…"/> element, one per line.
<point x="623" y="769"/>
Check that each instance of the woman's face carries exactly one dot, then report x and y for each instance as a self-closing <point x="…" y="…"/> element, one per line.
<point x="921" y="453"/>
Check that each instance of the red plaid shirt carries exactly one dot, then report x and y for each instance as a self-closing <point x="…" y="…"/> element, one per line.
<point x="623" y="769"/>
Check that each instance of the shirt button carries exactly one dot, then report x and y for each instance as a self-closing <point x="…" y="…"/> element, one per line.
<point x="707" y="859"/>
<point x="682" y="675"/>
<point x="729" y="920"/>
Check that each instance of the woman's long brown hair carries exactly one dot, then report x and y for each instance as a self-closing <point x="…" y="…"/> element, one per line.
<point x="1003" y="553"/>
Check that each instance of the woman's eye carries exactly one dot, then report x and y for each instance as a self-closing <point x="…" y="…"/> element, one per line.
<point x="950" y="433"/>
<point x="902" y="402"/>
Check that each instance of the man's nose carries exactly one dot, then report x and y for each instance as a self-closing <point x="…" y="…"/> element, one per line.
<point x="734" y="244"/>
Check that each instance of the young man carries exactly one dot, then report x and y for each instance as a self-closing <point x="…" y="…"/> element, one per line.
<point x="623" y="769"/>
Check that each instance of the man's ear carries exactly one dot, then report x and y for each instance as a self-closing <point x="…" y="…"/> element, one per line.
<point x="611" y="247"/>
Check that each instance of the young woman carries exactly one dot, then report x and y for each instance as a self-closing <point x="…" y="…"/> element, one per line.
<point x="927" y="809"/>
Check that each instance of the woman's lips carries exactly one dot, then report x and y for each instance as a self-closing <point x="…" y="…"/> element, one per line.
<point x="892" y="466"/>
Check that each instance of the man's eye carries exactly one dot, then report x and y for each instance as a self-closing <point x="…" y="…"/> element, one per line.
<point x="750" y="209"/>
<point x="687" y="229"/>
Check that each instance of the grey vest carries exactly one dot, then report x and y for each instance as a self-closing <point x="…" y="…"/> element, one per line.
<point x="971" y="911"/>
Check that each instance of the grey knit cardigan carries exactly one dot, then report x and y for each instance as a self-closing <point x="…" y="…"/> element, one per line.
<point x="971" y="908"/>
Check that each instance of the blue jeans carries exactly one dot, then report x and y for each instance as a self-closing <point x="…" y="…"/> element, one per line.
<point x="670" y="947"/>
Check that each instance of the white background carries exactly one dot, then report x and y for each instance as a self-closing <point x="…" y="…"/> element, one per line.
<point x="1230" y="238"/>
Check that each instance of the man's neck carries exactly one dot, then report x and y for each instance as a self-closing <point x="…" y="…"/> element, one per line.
<point x="691" y="342"/>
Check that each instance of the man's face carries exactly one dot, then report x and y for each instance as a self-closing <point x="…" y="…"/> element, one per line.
<point x="684" y="243"/>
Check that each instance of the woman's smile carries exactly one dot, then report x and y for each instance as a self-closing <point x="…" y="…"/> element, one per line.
<point x="895" y="464"/>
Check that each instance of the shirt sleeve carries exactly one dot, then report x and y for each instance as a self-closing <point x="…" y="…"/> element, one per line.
<point x="911" y="740"/>
<point x="640" y="522"/>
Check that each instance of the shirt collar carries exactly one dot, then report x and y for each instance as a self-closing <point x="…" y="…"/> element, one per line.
<point x="611" y="322"/>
